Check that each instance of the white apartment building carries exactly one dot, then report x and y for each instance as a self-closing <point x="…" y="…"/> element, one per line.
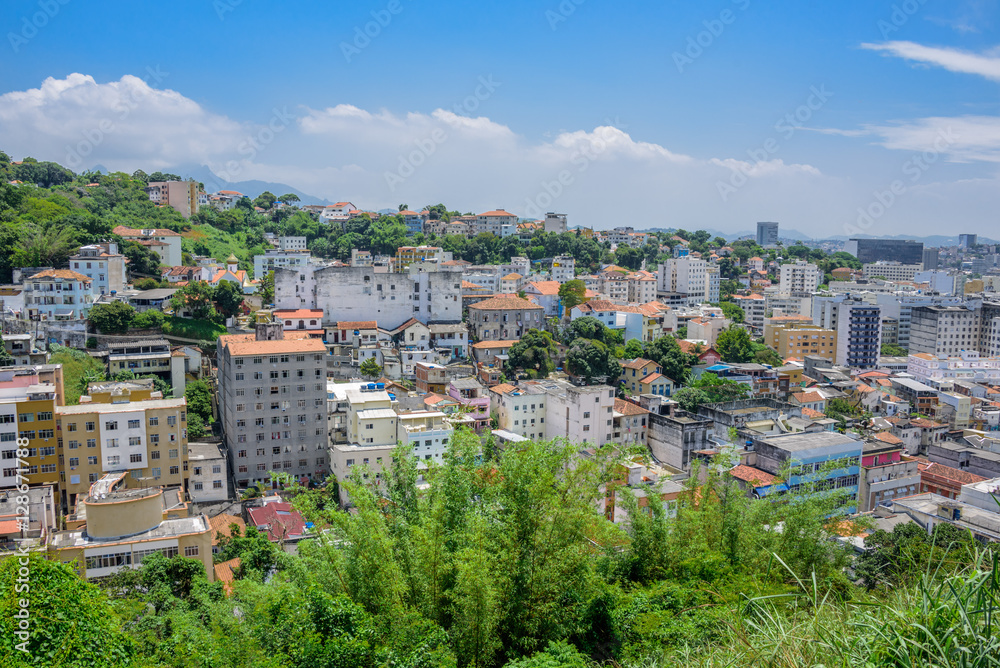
<point x="58" y="294"/>
<point x="563" y="268"/>
<point x="754" y="310"/>
<point x="209" y="473"/>
<point x="799" y="278"/>
<point x="944" y="331"/>
<point x="891" y="271"/>
<point x="555" y="223"/>
<point x="686" y="275"/>
<point x="521" y="409"/>
<point x="556" y="409"/>
<point x="103" y="265"/>
<point x="165" y="243"/>
<point x="642" y="287"/>
<point x="279" y="259"/>
<point x="713" y="283"/>
<point x="968" y="365"/>
<point x="338" y="212"/>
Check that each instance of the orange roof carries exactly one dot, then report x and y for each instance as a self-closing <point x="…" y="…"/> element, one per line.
<point x="865" y="389"/>
<point x="247" y="344"/>
<point x="299" y="313"/>
<point x="224" y="574"/>
<point x="958" y="475"/>
<point x="808" y="397"/>
<point x="511" y="277"/>
<point x="466" y="285"/>
<point x="494" y="344"/>
<point x="637" y="363"/>
<point x="221" y="523"/>
<point x="546" y="287"/>
<point x="357" y="324"/>
<point x="645" y="380"/>
<point x="812" y="414"/>
<point x="8" y="527"/>
<point x="924" y="356"/>
<point x="751" y="474"/>
<point x="123" y="231"/>
<point x="504" y="303"/>
<point x="926" y="424"/>
<point x="887" y="437"/>
<point x="503" y="388"/>
<point x="61" y="273"/>
<point x="628" y="408"/>
<point x="501" y="212"/>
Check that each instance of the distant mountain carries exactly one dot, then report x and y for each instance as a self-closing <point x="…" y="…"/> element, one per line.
<point x="214" y="183"/>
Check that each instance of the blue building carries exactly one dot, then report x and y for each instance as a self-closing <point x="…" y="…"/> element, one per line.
<point x="806" y="457"/>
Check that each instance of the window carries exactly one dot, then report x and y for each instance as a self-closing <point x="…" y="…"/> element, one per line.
<point x="25" y="417"/>
<point x="111" y="442"/>
<point x="133" y="424"/>
<point x="73" y="445"/>
<point x="71" y="427"/>
<point x="154" y="421"/>
<point x="242" y="468"/>
<point x="174" y="470"/>
<point x="154" y="454"/>
<point x="45" y="415"/>
<point x="90" y="426"/>
<point x="171" y="420"/>
<point x="92" y="460"/>
<point x="45" y="433"/>
<point x="135" y="458"/>
<point x="91" y="442"/>
<point x="241" y="454"/>
<point x="114" y="460"/>
<point x="111" y="425"/>
<point x="216" y="484"/>
<point x="191" y="551"/>
<point x="172" y="453"/>
<point x="74" y="461"/>
<point x="154" y="438"/>
<point x="135" y="440"/>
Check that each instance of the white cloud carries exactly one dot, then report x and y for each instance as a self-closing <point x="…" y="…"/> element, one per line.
<point x="954" y="60"/>
<point x="77" y="122"/>
<point x="601" y="176"/>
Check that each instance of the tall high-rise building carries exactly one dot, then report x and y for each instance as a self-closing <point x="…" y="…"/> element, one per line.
<point x="767" y="234"/>
<point x="799" y="278"/>
<point x="686" y="276"/>
<point x="931" y="260"/>
<point x="904" y="251"/>
<point x="272" y="404"/>
<point x="967" y="240"/>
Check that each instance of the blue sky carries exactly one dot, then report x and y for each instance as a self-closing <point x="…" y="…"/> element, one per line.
<point x="602" y="110"/>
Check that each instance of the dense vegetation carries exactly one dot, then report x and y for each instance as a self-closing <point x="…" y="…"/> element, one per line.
<point x="506" y="559"/>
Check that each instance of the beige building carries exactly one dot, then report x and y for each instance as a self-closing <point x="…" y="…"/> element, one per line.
<point x="133" y="433"/>
<point x="116" y="528"/>
<point x="807" y="340"/>
<point x="182" y="195"/>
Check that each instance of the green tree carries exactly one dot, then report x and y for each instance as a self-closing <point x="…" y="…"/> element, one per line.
<point x="572" y="293"/>
<point x="141" y="260"/>
<point x="633" y="349"/>
<point x="593" y="361"/>
<point x="734" y="344"/>
<point x="197" y="297"/>
<point x="535" y="352"/>
<point x="228" y="298"/>
<point x="199" y="399"/>
<point x="710" y="389"/>
<point x="733" y="311"/>
<point x="69" y="621"/>
<point x="112" y="318"/>
<point x="289" y="198"/>
<point x="674" y="362"/>
<point x="370" y="368"/>
<point x="892" y="350"/>
<point x="265" y="200"/>
<point x="266" y="289"/>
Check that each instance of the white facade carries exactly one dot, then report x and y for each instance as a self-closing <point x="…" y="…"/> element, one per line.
<point x="891" y="271"/>
<point x="58" y="294"/>
<point x="563" y="268"/>
<point x="685" y="275"/>
<point x="799" y="278"/>
<point x="274" y="259"/>
<point x="103" y="265"/>
<point x="969" y="365"/>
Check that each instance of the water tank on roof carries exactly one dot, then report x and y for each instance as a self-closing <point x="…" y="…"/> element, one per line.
<point x="380" y="386"/>
<point x="392" y="396"/>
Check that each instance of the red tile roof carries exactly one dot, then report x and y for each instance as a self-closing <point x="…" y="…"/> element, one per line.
<point x="546" y="287"/>
<point x="494" y="344"/>
<point x="637" y="363"/>
<point x="357" y="324"/>
<point x="887" y="437"/>
<point x="949" y="473"/>
<point x="504" y="303"/>
<point x="220" y="525"/>
<point x="247" y="344"/>
<point x="752" y="475"/>
<point x="61" y="273"/>
<point x="224" y="573"/>
<point x="628" y="408"/>
<point x="281" y="521"/>
<point x="123" y="231"/>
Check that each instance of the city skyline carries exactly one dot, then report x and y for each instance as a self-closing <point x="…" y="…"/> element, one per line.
<point x="709" y="117"/>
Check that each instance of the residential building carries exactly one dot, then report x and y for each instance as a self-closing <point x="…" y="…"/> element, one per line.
<point x="520" y="409"/>
<point x="165" y="243"/>
<point x="858" y="326"/>
<point x="356" y="293"/>
<point x="27" y="412"/>
<point x="581" y="414"/>
<point x="58" y="294"/>
<point x="123" y="526"/>
<point x="103" y="265"/>
<point x="147" y="356"/>
<point x="930" y="259"/>
<point x="891" y="271"/>
<point x="629" y="423"/>
<point x="209" y="481"/>
<point x="181" y="195"/>
<point x="631" y="320"/>
<point x="806" y="340"/>
<point x="132" y="434"/>
<point x="799" y="278"/>
<point x="414" y="221"/>
<point x="427" y="433"/>
<point x="642" y="376"/>
<point x="929" y="510"/>
<point x="767" y="234"/>
<point x="967" y="241"/>
<point x="546" y="295"/>
<point x="563" y="268"/>
<point x="555" y="223"/>
<point x="968" y="365"/>
<point x="904" y="251"/>
<point x="805" y="458"/>
<point x="944" y="331"/>
<point x="754" y="310"/>
<point x="505" y="317"/>
<point x="686" y="276"/>
<point x="885" y="473"/>
<point x="272" y="404"/>
<point x="278" y="258"/>
<point x="500" y="223"/>
<point x="407" y="255"/>
<point x="279" y="521"/>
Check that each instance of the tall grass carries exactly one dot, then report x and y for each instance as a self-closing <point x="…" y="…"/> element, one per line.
<point x="937" y="622"/>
